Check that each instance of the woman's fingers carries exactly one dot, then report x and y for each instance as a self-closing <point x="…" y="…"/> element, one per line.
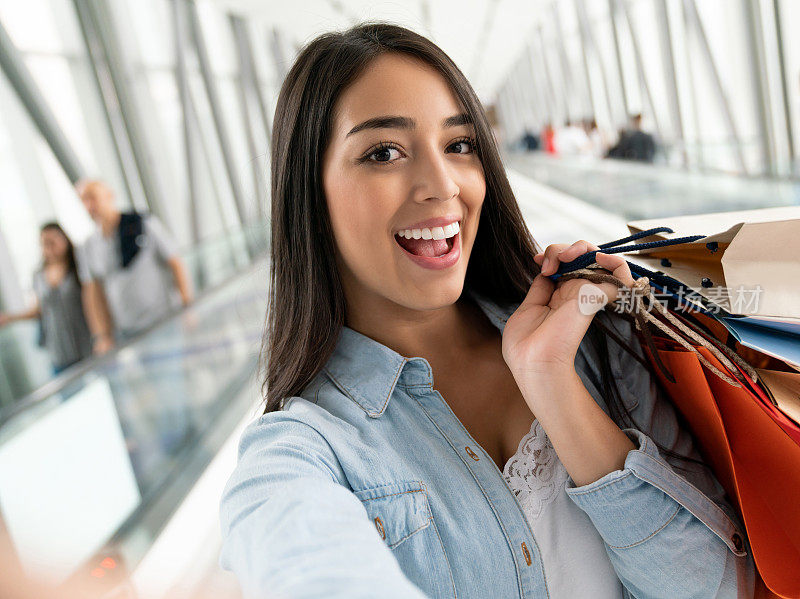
<point x="540" y="291"/>
<point x="617" y="265"/>
<point x="578" y="248"/>
<point x="548" y="260"/>
<point x="557" y="253"/>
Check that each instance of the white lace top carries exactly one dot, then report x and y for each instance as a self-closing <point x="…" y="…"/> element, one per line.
<point x="575" y="560"/>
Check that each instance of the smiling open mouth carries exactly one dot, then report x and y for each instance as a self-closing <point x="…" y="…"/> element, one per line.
<point x="430" y="248"/>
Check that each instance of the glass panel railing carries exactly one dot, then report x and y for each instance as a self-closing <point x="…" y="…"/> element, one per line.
<point x="24" y="366"/>
<point x="93" y="467"/>
<point x="637" y="191"/>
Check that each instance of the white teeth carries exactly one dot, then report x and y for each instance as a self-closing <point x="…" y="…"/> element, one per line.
<point x="432" y="233"/>
<point x="451" y="230"/>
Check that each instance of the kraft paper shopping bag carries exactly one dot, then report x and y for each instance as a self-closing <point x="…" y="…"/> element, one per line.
<point x="747" y="263"/>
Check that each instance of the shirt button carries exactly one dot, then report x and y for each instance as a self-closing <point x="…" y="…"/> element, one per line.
<point x="471" y="453"/>
<point x="737" y="541"/>
<point x="379" y="526"/>
<point x="526" y="553"/>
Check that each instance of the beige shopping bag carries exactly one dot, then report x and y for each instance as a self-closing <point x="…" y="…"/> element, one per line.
<point x="785" y="389"/>
<point x="748" y="263"/>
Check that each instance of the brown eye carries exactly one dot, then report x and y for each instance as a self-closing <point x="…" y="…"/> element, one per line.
<point x="462" y="144"/>
<point x="383" y="152"/>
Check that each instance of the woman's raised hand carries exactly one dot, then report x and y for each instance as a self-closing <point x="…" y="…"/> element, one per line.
<point x="546" y="329"/>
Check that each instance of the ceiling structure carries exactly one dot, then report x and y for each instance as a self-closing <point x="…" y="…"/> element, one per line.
<point x="483" y="37"/>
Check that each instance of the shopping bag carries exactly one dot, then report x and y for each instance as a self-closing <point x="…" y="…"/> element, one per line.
<point x="751" y="445"/>
<point x="776" y="391"/>
<point x="778" y="338"/>
<point x="747" y="262"/>
<point x="756" y="462"/>
<point x="785" y="388"/>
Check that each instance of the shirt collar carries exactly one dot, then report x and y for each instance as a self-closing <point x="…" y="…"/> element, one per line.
<point x="368" y="371"/>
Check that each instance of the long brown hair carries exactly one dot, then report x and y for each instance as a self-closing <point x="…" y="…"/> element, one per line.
<point x="69" y="254"/>
<point x="306" y="306"/>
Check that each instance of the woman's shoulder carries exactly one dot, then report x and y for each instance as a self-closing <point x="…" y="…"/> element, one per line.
<point x="311" y="414"/>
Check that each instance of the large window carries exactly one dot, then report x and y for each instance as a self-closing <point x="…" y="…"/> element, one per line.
<point x="711" y="77"/>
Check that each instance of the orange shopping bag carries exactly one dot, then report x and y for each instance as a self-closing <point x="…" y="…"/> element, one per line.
<point x="755" y="460"/>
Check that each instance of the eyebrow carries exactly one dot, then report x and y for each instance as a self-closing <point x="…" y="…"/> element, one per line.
<point x="404" y="122"/>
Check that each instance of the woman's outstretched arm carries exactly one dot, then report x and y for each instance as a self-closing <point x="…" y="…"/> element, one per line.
<point x="291" y="528"/>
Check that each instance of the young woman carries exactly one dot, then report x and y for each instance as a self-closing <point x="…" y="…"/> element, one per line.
<point x="441" y="419"/>
<point x="65" y="333"/>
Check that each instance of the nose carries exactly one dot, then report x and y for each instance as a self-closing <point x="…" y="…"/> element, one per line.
<point x="433" y="177"/>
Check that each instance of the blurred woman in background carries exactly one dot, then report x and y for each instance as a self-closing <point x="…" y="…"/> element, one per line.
<point x="64" y="332"/>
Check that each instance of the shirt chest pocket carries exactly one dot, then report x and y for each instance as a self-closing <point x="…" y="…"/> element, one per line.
<point x="402" y="516"/>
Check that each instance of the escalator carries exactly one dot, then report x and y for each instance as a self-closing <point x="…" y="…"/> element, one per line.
<point x="94" y="466"/>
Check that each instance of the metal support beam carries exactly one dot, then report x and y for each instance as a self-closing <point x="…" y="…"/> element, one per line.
<point x="531" y="101"/>
<point x="538" y="107"/>
<point x="31" y="97"/>
<point x="589" y="40"/>
<point x="111" y="110"/>
<point x="787" y="112"/>
<point x="693" y="17"/>
<point x="545" y="81"/>
<point x="760" y="84"/>
<point x="248" y="81"/>
<point x="668" y="61"/>
<point x="559" y="102"/>
<point x="542" y="86"/>
<point x="249" y="65"/>
<point x="519" y="108"/>
<point x="485" y="30"/>
<point x="243" y="84"/>
<point x="691" y="68"/>
<point x="206" y="154"/>
<point x="278" y="57"/>
<point x="522" y="94"/>
<point x="210" y="85"/>
<point x="612" y="15"/>
<point x="585" y="55"/>
<point x="97" y="21"/>
<point x="568" y="77"/>
<point x="641" y="71"/>
<point x="182" y="81"/>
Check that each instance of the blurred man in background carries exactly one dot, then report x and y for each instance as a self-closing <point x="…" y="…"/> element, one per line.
<point x="122" y="266"/>
<point x="634" y="144"/>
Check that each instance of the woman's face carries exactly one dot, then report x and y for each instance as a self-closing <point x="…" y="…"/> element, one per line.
<point x="54" y="246"/>
<point x="427" y="169"/>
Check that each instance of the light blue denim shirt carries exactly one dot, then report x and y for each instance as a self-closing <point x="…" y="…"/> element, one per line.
<point x="367" y="485"/>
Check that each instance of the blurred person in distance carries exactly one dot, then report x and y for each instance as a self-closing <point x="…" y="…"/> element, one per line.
<point x="572" y="139"/>
<point x="634" y="143"/>
<point x="598" y="140"/>
<point x="123" y="265"/>
<point x="63" y="329"/>
<point x="548" y="139"/>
